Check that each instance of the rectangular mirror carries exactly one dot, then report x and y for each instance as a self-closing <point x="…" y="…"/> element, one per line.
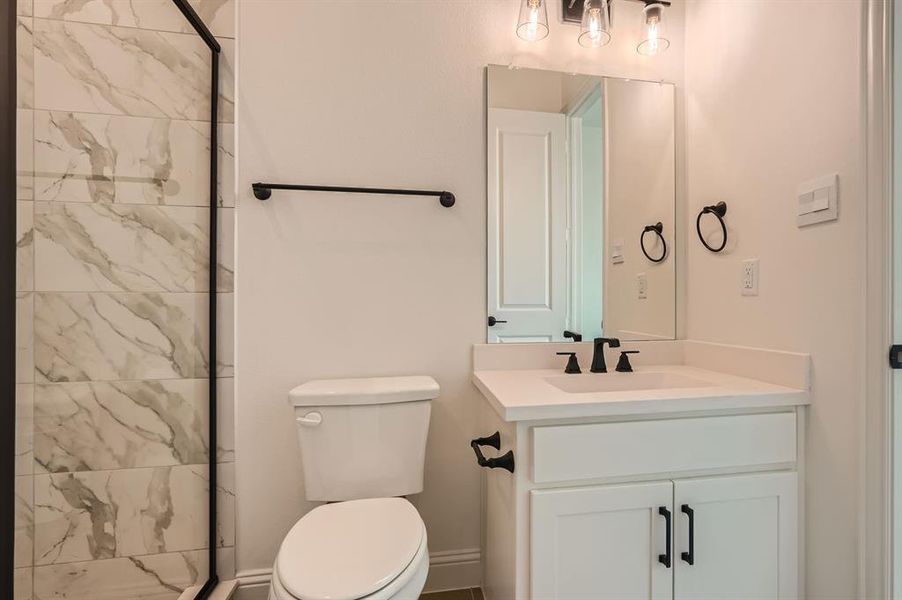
<point x="581" y="176"/>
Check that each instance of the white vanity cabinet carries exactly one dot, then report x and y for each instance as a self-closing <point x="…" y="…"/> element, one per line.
<point x="593" y="504"/>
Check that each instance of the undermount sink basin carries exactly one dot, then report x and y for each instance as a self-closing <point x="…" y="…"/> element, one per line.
<point x="622" y="382"/>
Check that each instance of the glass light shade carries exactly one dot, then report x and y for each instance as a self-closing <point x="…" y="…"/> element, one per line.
<point x="533" y="22"/>
<point x="595" y="29"/>
<point x="653" y="37"/>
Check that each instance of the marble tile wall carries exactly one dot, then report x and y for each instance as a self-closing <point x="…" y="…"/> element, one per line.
<point x="112" y="293"/>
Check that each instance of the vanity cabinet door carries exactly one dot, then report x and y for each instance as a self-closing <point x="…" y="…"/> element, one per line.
<point x="597" y="543"/>
<point x="745" y="537"/>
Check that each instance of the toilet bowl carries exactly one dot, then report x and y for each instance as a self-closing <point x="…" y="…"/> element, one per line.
<point x="372" y="549"/>
<point x="363" y="445"/>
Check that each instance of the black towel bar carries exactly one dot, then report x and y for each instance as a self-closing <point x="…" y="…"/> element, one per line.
<point x="262" y="191"/>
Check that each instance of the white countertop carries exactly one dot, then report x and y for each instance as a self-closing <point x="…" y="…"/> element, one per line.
<point x="527" y="395"/>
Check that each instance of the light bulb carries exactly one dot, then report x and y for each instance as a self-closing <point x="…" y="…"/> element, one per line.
<point x="533" y="22"/>
<point x="595" y="25"/>
<point x="652" y="38"/>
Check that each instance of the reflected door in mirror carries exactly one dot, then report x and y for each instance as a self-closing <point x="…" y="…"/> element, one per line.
<point x="527" y="221"/>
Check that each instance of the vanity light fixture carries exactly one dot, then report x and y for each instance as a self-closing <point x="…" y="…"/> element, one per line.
<point x="653" y="38"/>
<point x="595" y="25"/>
<point x="594" y="17"/>
<point x="533" y="22"/>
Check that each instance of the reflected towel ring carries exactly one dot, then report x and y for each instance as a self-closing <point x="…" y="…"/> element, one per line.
<point x="718" y="210"/>
<point x="657" y="228"/>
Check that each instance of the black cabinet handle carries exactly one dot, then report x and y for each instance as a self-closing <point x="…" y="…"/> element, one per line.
<point x="493" y="321"/>
<point x="664" y="559"/>
<point x="505" y="461"/>
<point x="689" y="557"/>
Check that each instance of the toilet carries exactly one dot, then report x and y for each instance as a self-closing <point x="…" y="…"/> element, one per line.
<point x="363" y="447"/>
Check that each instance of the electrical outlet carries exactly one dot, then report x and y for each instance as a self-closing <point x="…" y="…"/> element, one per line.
<point x="749" y="283"/>
<point x="642" y="285"/>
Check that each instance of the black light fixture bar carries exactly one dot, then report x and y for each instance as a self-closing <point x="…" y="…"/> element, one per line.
<point x="263" y="191"/>
<point x="572" y="10"/>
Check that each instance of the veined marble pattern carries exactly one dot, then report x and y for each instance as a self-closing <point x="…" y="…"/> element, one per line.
<point x="24" y="337"/>
<point x="159" y="15"/>
<point x="123" y="424"/>
<point x="22" y="584"/>
<point x="226" y="169"/>
<point x="225" y="335"/>
<point x="157" y="577"/>
<point x="24" y="8"/>
<point x="24" y="246"/>
<point x="136" y="248"/>
<point x="25" y="62"/>
<point x="106" y="337"/>
<point x="120" y="70"/>
<point x="24" y="428"/>
<point x="24" y="154"/>
<point x="225" y="401"/>
<point x="82" y="157"/>
<point x="24" y="520"/>
<point x="117" y="334"/>
<point x="132" y="512"/>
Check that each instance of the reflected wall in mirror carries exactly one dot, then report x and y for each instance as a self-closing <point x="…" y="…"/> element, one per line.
<point x="581" y="169"/>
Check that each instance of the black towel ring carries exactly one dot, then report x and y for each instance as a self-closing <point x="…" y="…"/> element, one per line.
<point x="718" y="210"/>
<point x="657" y="228"/>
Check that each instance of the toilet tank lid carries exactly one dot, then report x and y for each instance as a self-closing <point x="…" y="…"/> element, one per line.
<point x="365" y="390"/>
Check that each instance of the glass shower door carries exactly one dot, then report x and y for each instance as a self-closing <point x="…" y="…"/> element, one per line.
<point x="113" y="297"/>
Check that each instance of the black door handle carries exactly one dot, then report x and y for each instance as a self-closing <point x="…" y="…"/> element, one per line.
<point x="493" y="321"/>
<point x="689" y="557"/>
<point x="664" y="559"/>
<point x="895" y="356"/>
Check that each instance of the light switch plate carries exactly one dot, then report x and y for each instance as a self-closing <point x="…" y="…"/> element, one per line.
<point x="617" y="251"/>
<point x="642" y="285"/>
<point x="817" y="201"/>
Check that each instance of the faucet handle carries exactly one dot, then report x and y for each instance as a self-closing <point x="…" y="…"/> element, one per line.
<point x="572" y="367"/>
<point x="623" y="365"/>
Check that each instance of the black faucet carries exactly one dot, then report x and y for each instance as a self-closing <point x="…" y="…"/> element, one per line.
<point x="572" y="334"/>
<point x="598" y="365"/>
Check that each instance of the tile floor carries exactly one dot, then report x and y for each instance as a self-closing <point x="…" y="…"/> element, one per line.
<point x="470" y="594"/>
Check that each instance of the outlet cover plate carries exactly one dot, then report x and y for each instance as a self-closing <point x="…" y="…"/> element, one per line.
<point x="749" y="281"/>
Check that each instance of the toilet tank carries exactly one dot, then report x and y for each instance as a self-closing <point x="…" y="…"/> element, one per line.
<point x="363" y="438"/>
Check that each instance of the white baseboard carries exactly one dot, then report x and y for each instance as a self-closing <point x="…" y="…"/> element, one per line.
<point x="454" y="570"/>
<point x="448" y="570"/>
<point x="253" y="584"/>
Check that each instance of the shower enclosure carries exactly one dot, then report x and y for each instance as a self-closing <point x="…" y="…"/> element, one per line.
<point x="121" y="475"/>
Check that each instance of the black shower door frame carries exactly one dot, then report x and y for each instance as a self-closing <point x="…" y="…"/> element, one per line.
<point x="215" y="50"/>
<point x="8" y="105"/>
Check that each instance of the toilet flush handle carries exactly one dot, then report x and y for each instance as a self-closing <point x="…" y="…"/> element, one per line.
<point x="311" y="419"/>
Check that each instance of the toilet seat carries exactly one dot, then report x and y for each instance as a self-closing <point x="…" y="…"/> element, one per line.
<point x="360" y="549"/>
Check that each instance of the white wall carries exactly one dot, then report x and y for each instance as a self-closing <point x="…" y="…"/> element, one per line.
<point x="639" y="188"/>
<point x="773" y="99"/>
<point x="374" y="93"/>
